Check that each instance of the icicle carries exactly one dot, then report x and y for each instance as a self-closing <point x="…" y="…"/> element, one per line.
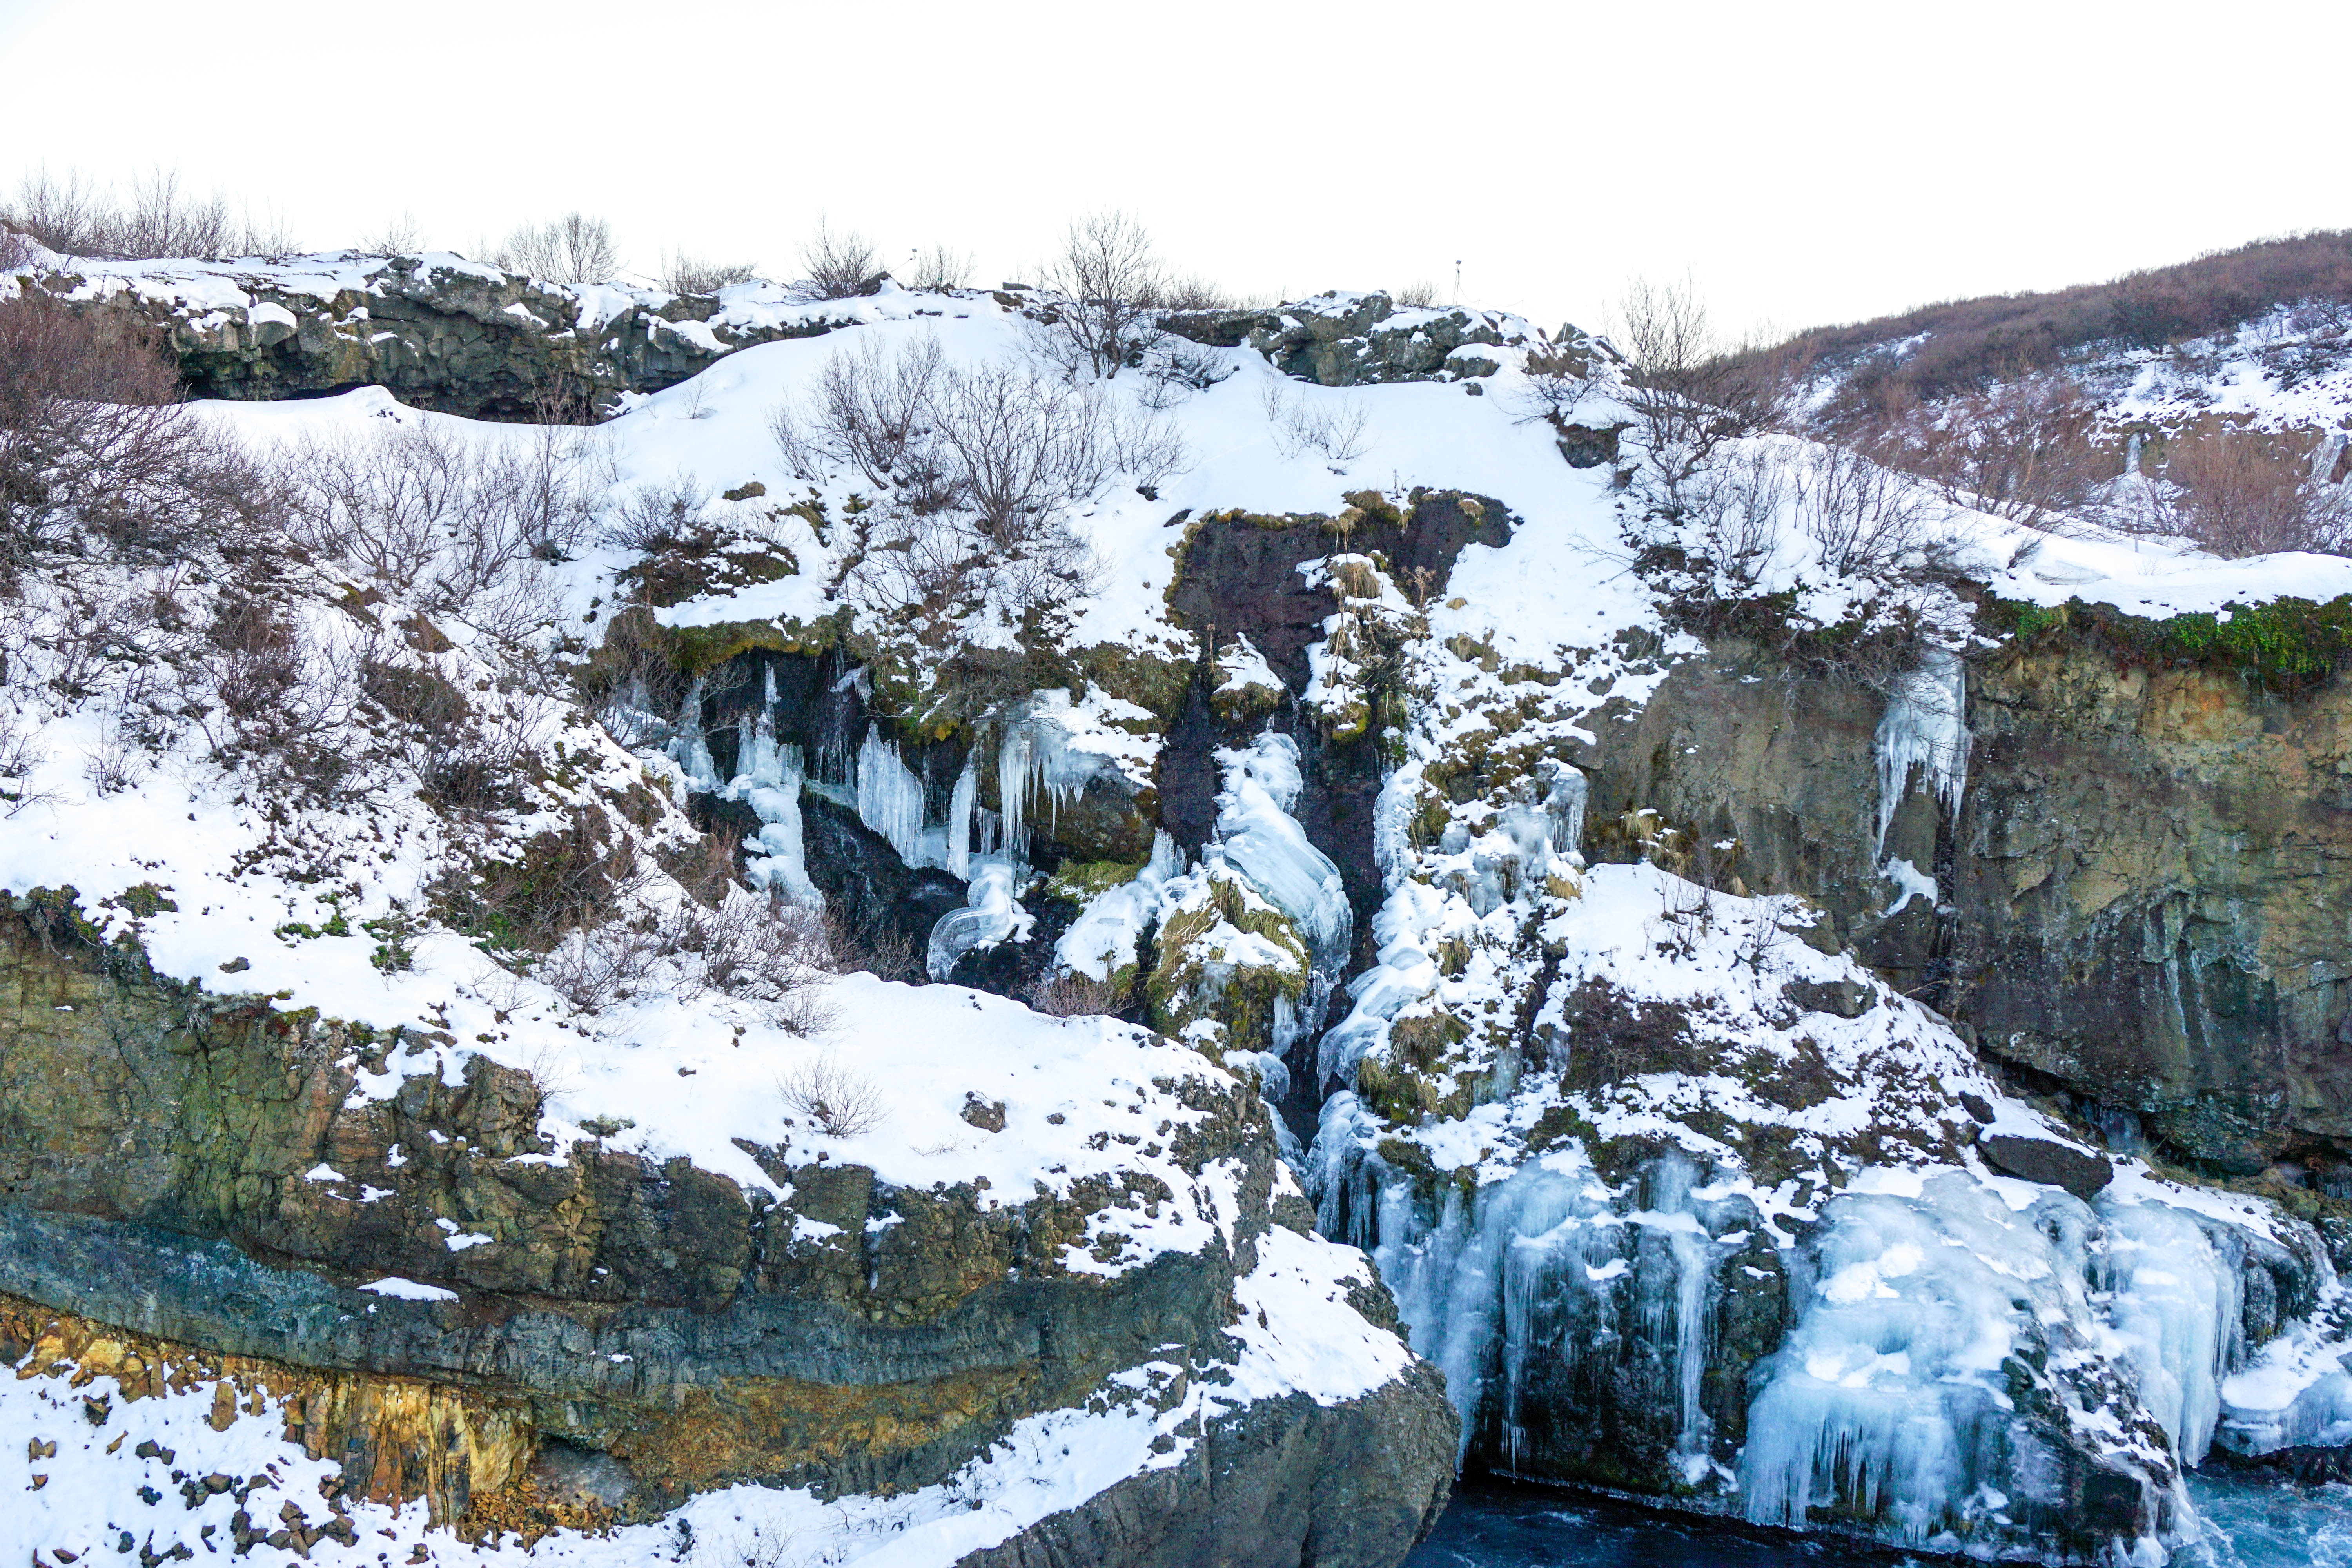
<point x="1033" y="765"/>
<point x="1924" y="730"/>
<point x="959" y="810"/>
<point x="890" y="797"/>
<point x="2131" y="455"/>
<point x="689" y="750"/>
<point x="2177" y="1303"/>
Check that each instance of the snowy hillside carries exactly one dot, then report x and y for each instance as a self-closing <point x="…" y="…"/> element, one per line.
<point x="898" y="749"/>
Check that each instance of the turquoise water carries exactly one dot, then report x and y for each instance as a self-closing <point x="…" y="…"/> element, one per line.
<point x="2251" y="1524"/>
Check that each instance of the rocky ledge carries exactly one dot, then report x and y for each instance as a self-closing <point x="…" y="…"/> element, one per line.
<point x="202" y="1200"/>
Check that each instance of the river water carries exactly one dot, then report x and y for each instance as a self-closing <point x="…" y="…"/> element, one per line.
<point x="2250" y="1524"/>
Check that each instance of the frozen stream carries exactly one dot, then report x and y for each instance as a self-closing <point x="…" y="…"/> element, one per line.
<point x="2251" y="1524"/>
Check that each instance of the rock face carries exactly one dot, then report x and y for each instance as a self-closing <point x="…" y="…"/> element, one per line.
<point x="1348" y="340"/>
<point x="438" y="332"/>
<point x="195" y="1171"/>
<point x="2137" y="895"/>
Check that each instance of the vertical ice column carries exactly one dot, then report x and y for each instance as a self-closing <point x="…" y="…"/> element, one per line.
<point x="889" y="796"/>
<point x="960" y="811"/>
<point x="1923" y="731"/>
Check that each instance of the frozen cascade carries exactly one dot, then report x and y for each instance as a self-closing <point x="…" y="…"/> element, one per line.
<point x="2325" y="457"/>
<point x="959" y="810"/>
<point x="2179" y="1304"/>
<point x="994" y="914"/>
<point x="687" y="749"/>
<point x="1564" y="800"/>
<point x="1105" y="936"/>
<point x="1889" y="1393"/>
<point x="1266" y="844"/>
<point x="1923" y="730"/>
<point x="2131" y="455"/>
<point x="769" y="782"/>
<point x="1532" y="1278"/>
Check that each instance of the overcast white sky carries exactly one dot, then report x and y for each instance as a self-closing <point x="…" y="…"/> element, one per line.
<point x="1803" y="161"/>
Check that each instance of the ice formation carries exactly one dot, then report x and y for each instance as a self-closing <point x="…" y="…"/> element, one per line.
<point x="1923" y="731"/>
<point x="767" y="780"/>
<point x="1545" y="1270"/>
<point x="1107" y="935"/>
<point x="992" y="915"/>
<point x="890" y="799"/>
<point x="1265" y="843"/>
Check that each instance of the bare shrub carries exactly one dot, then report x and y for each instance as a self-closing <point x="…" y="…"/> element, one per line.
<point x="658" y="515"/>
<point x="1558" y="380"/>
<point x="871" y="945"/>
<point x="1420" y="294"/>
<point x="15" y="249"/>
<point x="594" y="967"/>
<point x="631" y="683"/>
<point x="1866" y="518"/>
<point x="458" y="526"/>
<point x="1741" y="511"/>
<point x="1111" y="282"/>
<point x="684" y="274"/>
<point x="940" y="269"/>
<point x="1193" y="293"/>
<point x="1334" y="428"/>
<point x="755" y="948"/>
<point x="1960" y="345"/>
<point x="2020" y="449"/>
<point x="832" y="1098"/>
<point x="67" y="213"/>
<point x="839" y="265"/>
<point x="1071" y="994"/>
<point x="872" y="410"/>
<point x="92" y="435"/>
<point x="401" y="234"/>
<point x="1020" y="446"/>
<point x="280" y="698"/>
<point x="574" y="248"/>
<point x="2241" y="493"/>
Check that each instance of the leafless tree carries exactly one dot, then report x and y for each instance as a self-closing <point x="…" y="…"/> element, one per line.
<point x="839" y="265"/>
<point x="684" y="274"/>
<point x="1420" y="294"/>
<point x="1110" y="281"/>
<point x="1689" y="389"/>
<point x="573" y="249"/>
